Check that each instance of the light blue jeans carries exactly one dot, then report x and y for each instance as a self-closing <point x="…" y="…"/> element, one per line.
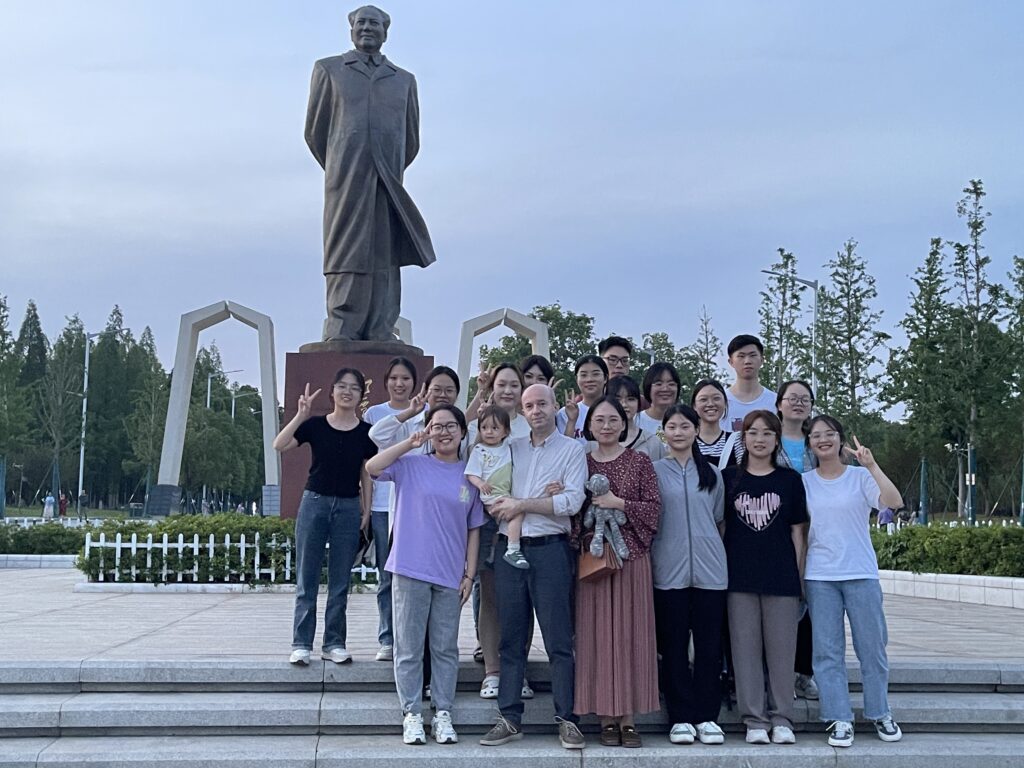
<point x="861" y="601"/>
<point x="324" y="519"/>
<point x="382" y="548"/>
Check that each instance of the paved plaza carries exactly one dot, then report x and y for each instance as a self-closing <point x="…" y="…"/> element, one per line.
<point x="42" y="618"/>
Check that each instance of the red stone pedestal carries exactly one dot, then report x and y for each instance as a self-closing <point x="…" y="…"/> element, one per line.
<point x="318" y="369"/>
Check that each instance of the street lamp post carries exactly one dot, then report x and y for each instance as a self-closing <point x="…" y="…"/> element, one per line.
<point x="85" y="406"/>
<point x="813" y="285"/>
<point x="236" y="396"/>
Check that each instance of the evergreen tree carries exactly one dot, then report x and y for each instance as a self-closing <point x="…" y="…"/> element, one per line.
<point x="707" y="349"/>
<point x="14" y="408"/>
<point x="849" y="373"/>
<point x="785" y="345"/>
<point x="33" y="347"/>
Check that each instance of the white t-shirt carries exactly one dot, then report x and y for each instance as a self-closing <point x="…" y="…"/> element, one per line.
<point x="839" y="544"/>
<point x="561" y="420"/>
<point x="383" y="490"/>
<point x="647" y="423"/>
<point x="737" y="411"/>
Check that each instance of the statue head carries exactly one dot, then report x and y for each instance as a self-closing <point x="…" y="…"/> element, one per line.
<point x="369" y="28"/>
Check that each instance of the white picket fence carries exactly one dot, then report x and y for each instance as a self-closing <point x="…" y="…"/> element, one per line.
<point x="254" y="563"/>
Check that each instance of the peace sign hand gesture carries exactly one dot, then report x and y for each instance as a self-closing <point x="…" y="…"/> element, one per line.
<point x="305" y="406"/>
<point x="416" y="404"/>
<point x="483" y="379"/>
<point x="862" y="454"/>
<point x="417" y="439"/>
<point x="572" y="406"/>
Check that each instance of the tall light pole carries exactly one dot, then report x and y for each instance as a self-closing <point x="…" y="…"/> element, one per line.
<point x="813" y="285"/>
<point x="85" y="406"/>
<point x="236" y="396"/>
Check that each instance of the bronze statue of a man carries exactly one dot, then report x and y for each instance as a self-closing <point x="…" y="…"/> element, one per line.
<point x="362" y="126"/>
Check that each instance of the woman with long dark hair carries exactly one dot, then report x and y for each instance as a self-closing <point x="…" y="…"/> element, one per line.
<point x="710" y="401"/>
<point x="765" y="542"/>
<point x="690" y="579"/>
<point x="335" y="506"/>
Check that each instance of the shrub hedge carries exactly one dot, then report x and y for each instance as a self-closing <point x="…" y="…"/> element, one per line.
<point x="983" y="551"/>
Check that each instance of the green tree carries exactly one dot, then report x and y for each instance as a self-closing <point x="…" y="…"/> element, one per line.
<point x="14" y="408"/>
<point x="145" y="424"/>
<point x="33" y="347"/>
<point x="785" y="344"/>
<point x="849" y="342"/>
<point x="682" y="359"/>
<point x="570" y="336"/>
<point x="705" y="351"/>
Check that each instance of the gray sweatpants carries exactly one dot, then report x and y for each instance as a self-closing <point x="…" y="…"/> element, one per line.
<point x="420" y="607"/>
<point x="763" y="625"/>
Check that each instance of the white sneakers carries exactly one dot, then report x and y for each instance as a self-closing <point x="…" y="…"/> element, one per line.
<point x="385" y="653"/>
<point x="758" y="736"/>
<point x="299" y="657"/>
<point x="442" y="728"/>
<point x="840" y="734"/>
<point x="781" y="734"/>
<point x="708" y="733"/>
<point x="682" y="733"/>
<point x="337" y="655"/>
<point x="412" y="729"/>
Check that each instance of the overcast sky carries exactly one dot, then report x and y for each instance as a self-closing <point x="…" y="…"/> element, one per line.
<point x="632" y="161"/>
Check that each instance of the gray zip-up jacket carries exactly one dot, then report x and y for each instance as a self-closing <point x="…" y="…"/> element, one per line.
<point x="688" y="550"/>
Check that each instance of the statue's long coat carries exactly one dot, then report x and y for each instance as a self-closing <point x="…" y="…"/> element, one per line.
<point x="362" y="126"/>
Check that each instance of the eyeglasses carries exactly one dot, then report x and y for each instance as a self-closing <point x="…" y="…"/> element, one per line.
<point x="794" y="400"/>
<point x="449" y="391"/>
<point x="449" y="426"/>
<point x="824" y="435"/>
<point x="616" y="361"/>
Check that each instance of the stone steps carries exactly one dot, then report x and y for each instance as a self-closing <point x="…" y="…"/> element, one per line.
<point x="538" y="751"/>
<point x="274" y="674"/>
<point x="377" y="712"/>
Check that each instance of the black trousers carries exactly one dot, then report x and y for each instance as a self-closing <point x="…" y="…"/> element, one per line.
<point x="691" y="695"/>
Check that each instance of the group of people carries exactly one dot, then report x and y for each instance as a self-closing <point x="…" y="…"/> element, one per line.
<point x="741" y="527"/>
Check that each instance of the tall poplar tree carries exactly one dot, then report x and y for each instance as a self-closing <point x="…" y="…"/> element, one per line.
<point x="781" y="313"/>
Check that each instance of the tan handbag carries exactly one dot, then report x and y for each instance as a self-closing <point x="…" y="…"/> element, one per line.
<point x="591" y="568"/>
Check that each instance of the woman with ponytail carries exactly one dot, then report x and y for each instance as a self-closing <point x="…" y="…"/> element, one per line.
<point x="690" y="580"/>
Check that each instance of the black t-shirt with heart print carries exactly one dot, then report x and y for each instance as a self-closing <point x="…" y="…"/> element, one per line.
<point x="759" y="513"/>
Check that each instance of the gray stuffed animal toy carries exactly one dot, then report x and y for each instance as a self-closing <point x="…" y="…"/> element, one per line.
<point x="602" y="518"/>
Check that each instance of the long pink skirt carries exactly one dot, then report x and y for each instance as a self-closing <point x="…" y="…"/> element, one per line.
<point x="616" y="652"/>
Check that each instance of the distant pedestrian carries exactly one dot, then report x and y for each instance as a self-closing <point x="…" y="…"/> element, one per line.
<point x="48" y="503"/>
<point x="887" y="520"/>
<point x="62" y="504"/>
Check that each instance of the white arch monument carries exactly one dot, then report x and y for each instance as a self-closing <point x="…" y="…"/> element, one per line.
<point x="533" y="329"/>
<point x="164" y="497"/>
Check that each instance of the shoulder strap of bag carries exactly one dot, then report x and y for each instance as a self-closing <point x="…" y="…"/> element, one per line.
<point x="730" y="446"/>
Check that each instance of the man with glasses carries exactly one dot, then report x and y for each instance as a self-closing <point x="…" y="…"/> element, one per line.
<point x="616" y="351"/>
<point x="548" y="473"/>
<point x="746" y="356"/>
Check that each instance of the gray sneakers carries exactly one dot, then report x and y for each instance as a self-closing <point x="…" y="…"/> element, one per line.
<point x="569" y="734"/>
<point x="502" y="733"/>
<point x="887" y="729"/>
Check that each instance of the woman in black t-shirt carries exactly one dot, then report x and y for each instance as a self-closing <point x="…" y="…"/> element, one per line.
<point x="765" y="543"/>
<point x="335" y="506"/>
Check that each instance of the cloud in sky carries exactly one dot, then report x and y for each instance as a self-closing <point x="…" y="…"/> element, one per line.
<point x="633" y="163"/>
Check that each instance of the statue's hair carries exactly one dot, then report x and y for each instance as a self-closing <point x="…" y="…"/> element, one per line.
<point x="383" y="15"/>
